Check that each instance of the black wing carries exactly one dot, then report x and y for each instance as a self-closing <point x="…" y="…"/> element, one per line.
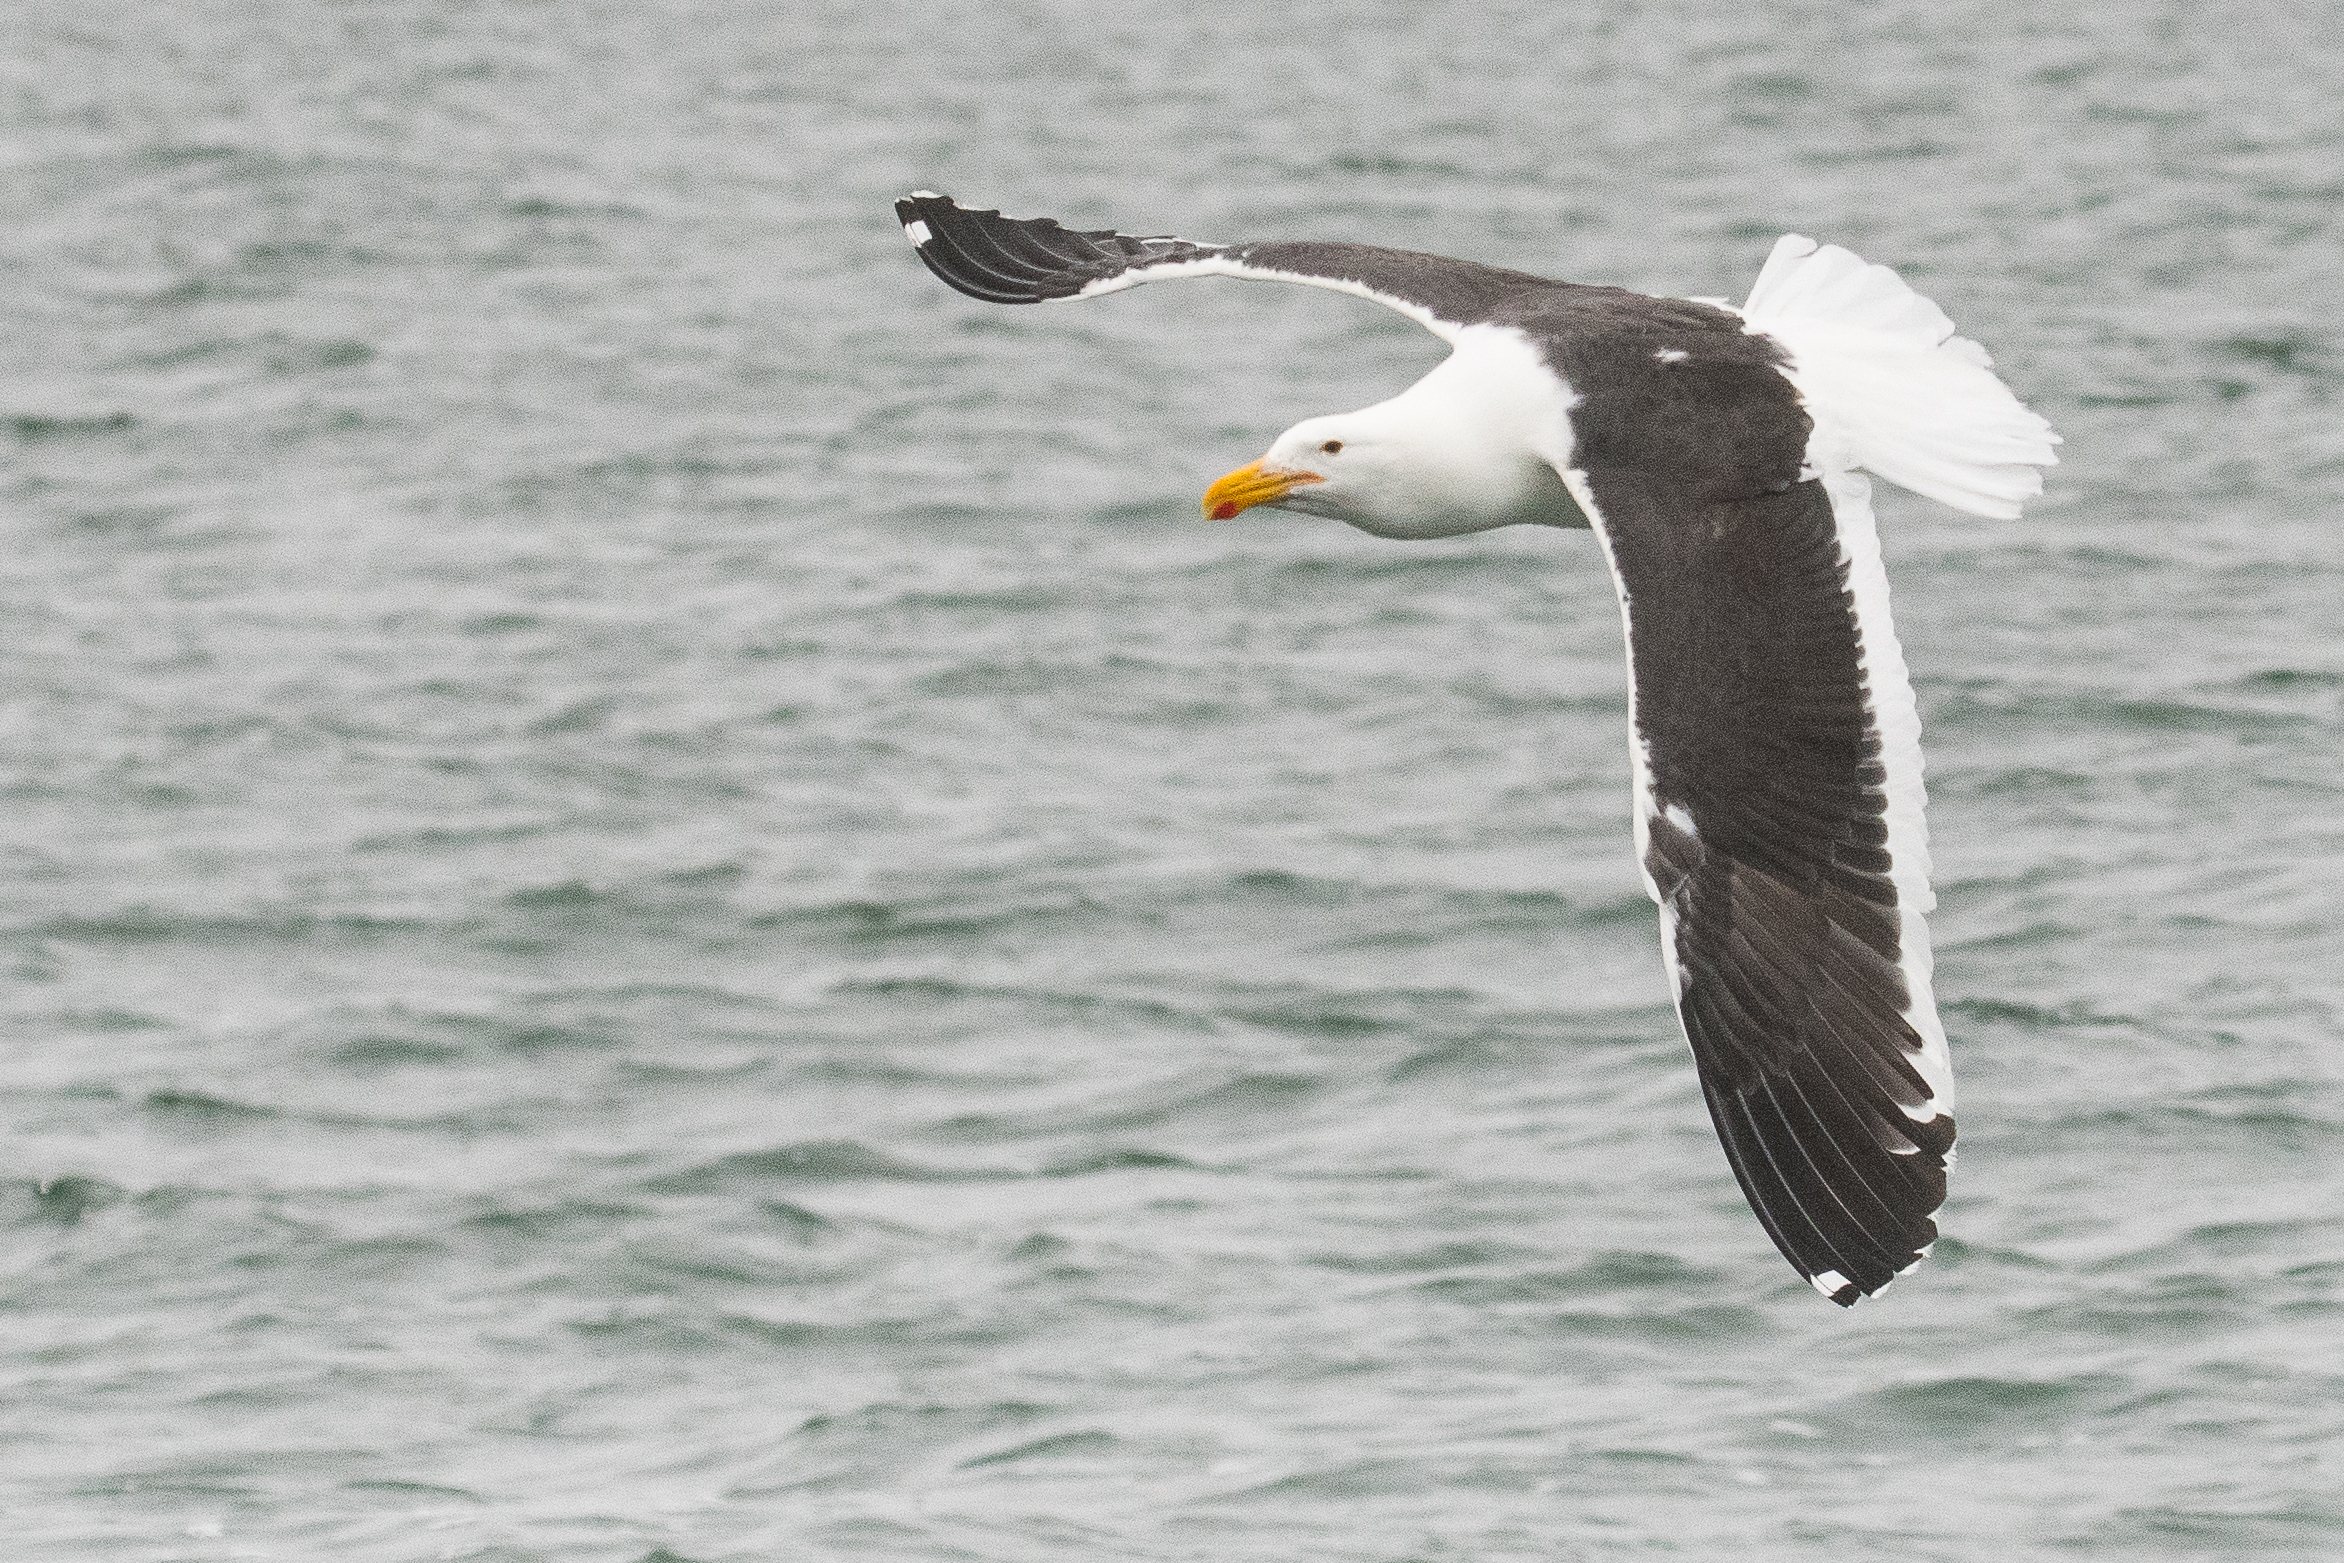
<point x="1779" y="773"/>
<point x="1012" y="260"/>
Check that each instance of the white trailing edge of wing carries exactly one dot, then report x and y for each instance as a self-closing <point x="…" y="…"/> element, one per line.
<point x="1237" y="266"/>
<point x="1896" y="718"/>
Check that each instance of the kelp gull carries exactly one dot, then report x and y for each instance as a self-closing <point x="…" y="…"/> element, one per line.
<point x="1719" y="456"/>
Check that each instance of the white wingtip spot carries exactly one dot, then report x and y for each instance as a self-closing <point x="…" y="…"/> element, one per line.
<point x="926" y="195"/>
<point x="917" y="232"/>
<point x="1830" y="1282"/>
<point x="1672" y="355"/>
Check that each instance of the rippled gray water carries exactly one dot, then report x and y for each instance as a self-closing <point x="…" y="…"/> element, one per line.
<point x="662" y="902"/>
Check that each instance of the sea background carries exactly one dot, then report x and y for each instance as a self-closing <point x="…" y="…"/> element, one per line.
<point x="662" y="901"/>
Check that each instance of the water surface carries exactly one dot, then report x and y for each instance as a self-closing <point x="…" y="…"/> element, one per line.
<point x="663" y="902"/>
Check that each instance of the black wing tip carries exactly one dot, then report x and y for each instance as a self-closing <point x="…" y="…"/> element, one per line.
<point x="1839" y="1289"/>
<point x="1844" y="1274"/>
<point x="921" y="205"/>
<point x="1848" y="1228"/>
<point x="1023" y="260"/>
<point x="1872" y="1276"/>
<point x="988" y="256"/>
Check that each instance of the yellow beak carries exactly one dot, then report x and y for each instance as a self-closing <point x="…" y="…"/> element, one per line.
<point x="1251" y="486"/>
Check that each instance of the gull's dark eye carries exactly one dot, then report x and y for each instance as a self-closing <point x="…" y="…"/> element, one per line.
<point x="1332" y="447"/>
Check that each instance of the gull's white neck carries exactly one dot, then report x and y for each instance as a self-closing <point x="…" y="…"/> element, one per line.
<point x="1473" y="444"/>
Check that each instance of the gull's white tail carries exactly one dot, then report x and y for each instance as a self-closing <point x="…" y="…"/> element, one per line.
<point x="1891" y="387"/>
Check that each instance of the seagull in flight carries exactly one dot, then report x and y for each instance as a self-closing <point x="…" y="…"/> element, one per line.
<point x="1720" y="456"/>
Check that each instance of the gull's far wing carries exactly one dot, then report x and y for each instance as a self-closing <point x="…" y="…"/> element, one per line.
<point x="1034" y="260"/>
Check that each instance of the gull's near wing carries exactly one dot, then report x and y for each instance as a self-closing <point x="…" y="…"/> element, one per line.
<point x="1776" y="742"/>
